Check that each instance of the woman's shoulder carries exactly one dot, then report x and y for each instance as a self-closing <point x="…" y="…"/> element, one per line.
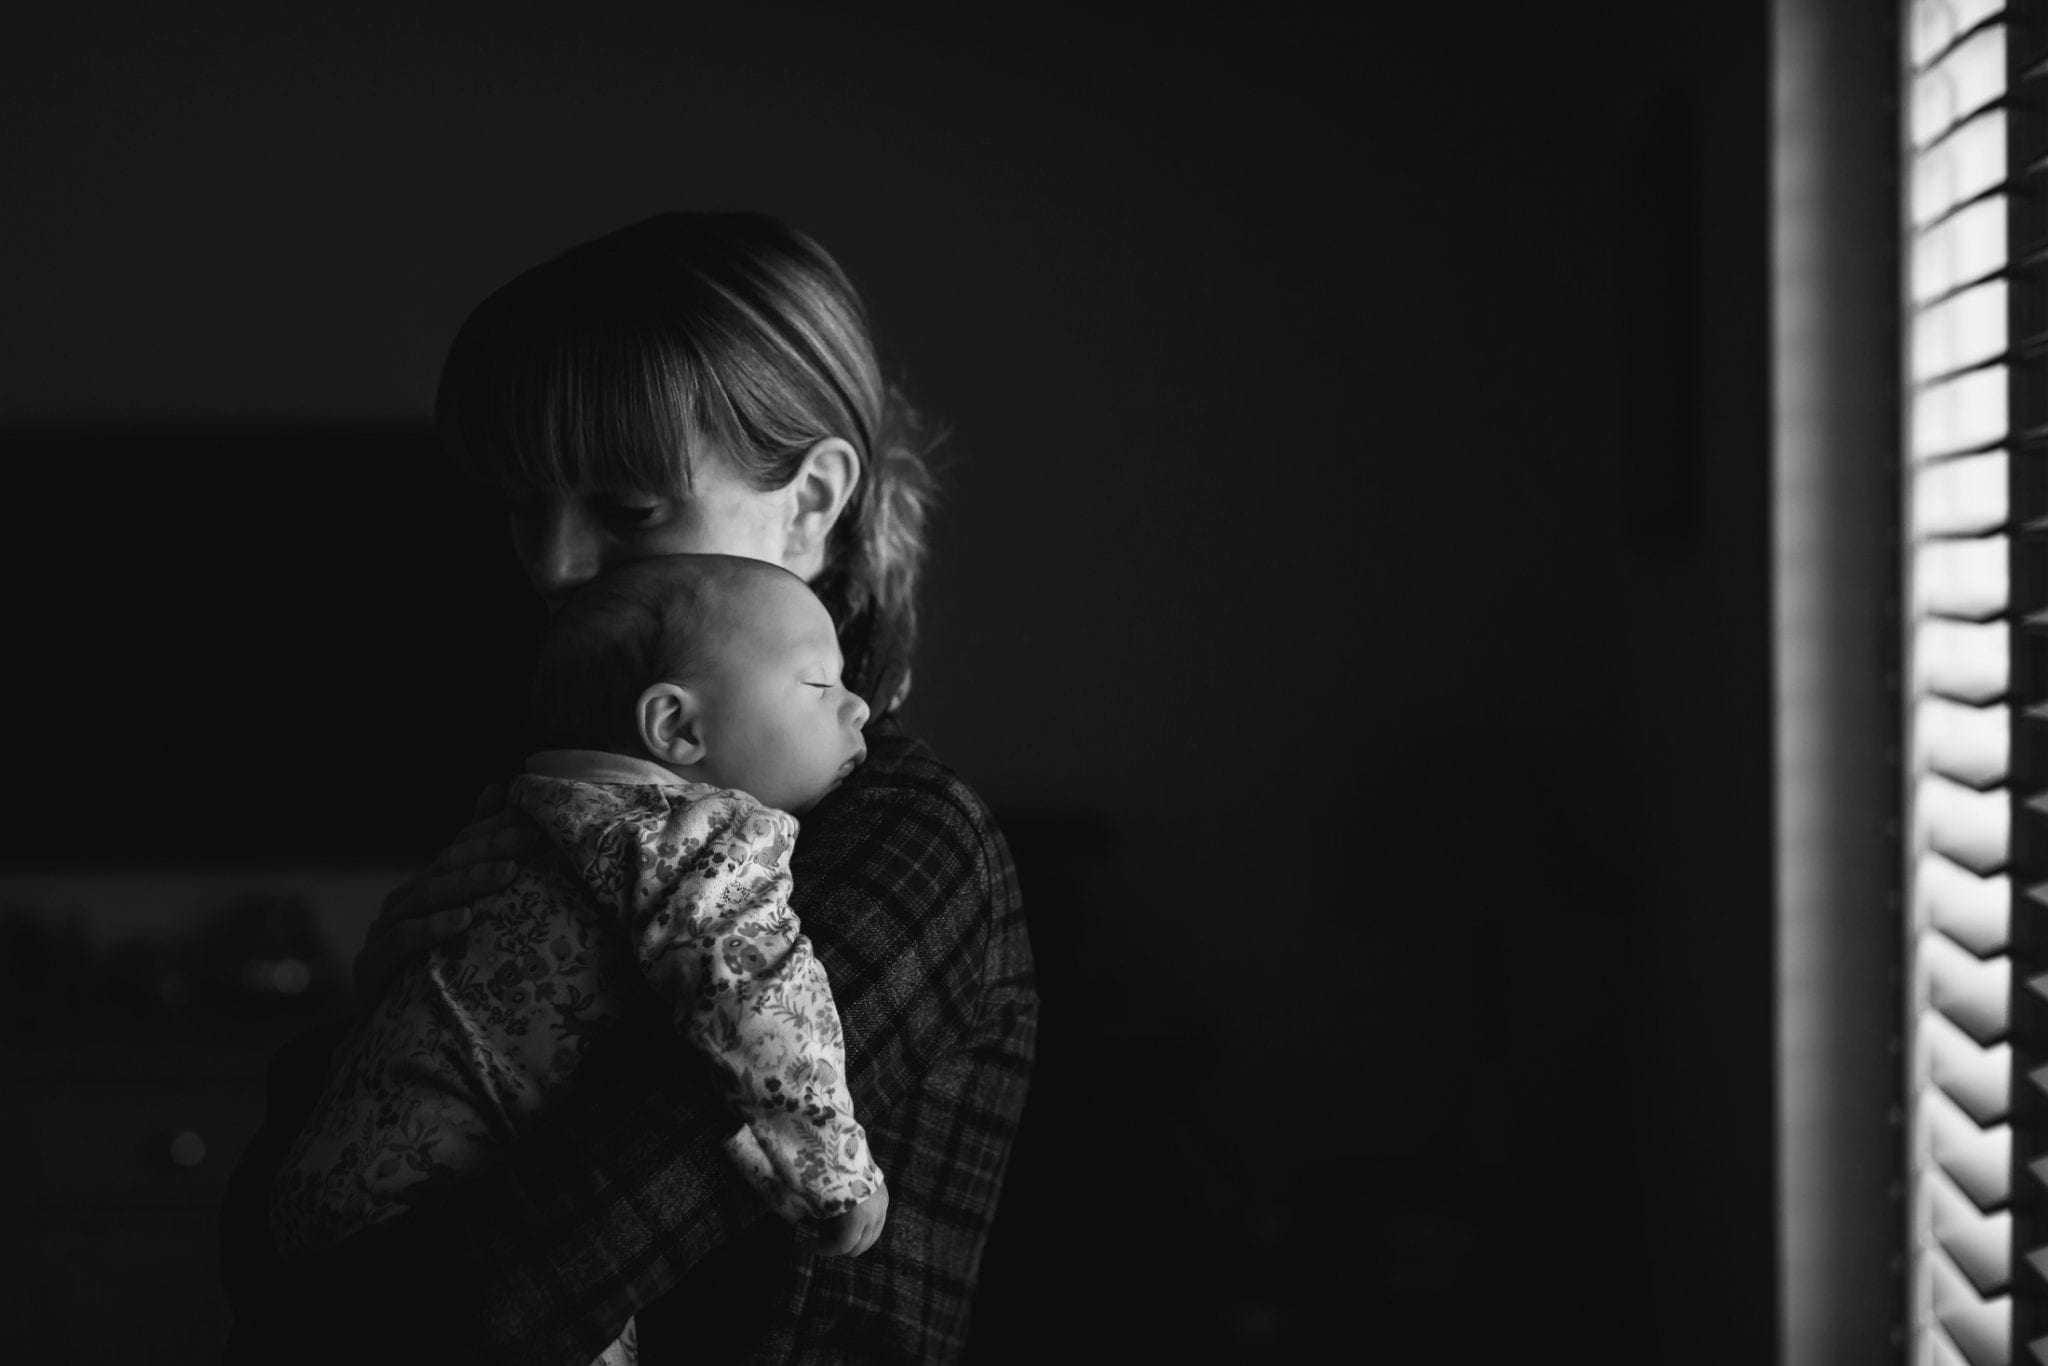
<point x="903" y="772"/>
<point x="906" y="808"/>
<point x="904" y="853"/>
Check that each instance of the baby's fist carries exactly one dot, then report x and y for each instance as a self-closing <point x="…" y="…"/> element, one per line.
<point x="854" y="1232"/>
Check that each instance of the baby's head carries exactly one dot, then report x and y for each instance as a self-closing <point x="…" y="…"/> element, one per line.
<point x="723" y="669"/>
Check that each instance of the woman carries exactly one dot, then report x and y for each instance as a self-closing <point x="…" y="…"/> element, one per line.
<point x="698" y="383"/>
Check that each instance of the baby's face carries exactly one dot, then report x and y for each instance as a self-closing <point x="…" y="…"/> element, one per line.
<point x="777" y="721"/>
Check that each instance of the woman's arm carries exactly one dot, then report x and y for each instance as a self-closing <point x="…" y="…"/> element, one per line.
<point x="601" y="1209"/>
<point x="894" y="893"/>
<point x="434" y="906"/>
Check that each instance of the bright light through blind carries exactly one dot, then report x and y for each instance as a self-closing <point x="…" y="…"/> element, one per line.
<point x="1960" y="432"/>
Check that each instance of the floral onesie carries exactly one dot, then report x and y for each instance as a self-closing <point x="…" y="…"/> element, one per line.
<point x="678" y="885"/>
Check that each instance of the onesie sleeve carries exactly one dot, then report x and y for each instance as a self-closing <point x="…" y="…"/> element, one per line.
<point x="707" y="908"/>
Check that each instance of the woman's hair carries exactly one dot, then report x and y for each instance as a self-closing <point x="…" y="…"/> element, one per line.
<point x="664" y="617"/>
<point x="616" y="363"/>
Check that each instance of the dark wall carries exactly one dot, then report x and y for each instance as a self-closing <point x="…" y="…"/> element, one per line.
<point x="1352" y="579"/>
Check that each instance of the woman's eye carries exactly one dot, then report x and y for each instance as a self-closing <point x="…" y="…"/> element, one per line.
<point x="632" y="514"/>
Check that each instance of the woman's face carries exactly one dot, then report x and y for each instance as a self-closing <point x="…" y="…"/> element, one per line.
<point x="564" y="540"/>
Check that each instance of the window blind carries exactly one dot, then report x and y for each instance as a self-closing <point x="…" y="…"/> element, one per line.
<point x="1975" y="628"/>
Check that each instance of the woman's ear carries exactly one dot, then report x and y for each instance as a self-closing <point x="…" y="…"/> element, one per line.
<point x="823" y="487"/>
<point x="670" y="718"/>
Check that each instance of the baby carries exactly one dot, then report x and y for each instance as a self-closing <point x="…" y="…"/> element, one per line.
<point x="686" y="705"/>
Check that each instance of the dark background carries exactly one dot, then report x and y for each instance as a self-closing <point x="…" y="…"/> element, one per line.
<point x="1351" y="586"/>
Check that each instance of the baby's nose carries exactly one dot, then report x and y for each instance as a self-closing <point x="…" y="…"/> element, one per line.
<point x="856" y="711"/>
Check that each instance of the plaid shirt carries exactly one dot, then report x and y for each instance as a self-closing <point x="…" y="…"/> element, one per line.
<point x="622" y="1202"/>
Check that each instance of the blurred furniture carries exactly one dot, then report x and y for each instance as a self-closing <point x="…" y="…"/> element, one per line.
<point x="121" y="1148"/>
<point x="131" y="1076"/>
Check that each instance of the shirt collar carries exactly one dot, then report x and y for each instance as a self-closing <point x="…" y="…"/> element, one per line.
<point x="600" y="766"/>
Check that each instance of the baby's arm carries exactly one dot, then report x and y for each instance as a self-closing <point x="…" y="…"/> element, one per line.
<point x="713" y="932"/>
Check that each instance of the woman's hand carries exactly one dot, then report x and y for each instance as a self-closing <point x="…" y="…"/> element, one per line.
<point x="434" y="907"/>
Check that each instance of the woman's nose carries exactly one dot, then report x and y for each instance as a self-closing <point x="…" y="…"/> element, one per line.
<point x="562" y="551"/>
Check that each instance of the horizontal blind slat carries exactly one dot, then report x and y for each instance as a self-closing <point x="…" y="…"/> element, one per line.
<point x="1971" y="992"/>
<point x="1961" y="497"/>
<point x="1968" y="745"/>
<point x="1979" y="1243"/>
<point x="1967" y="246"/>
<point x="1981" y="1328"/>
<point x="1961" y="331"/>
<point x="1962" y="81"/>
<point x="1974" y="911"/>
<point x="1961" y="577"/>
<point x="1964" y="660"/>
<point x="1976" y="1157"/>
<point x="1935" y="24"/>
<point x="1969" y="162"/>
<point x="1961" y="412"/>
<point x="1973" y="828"/>
<point x="1974" y="1076"/>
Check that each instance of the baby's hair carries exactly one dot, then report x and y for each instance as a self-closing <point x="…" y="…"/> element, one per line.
<point x="637" y="624"/>
<point x="611" y="366"/>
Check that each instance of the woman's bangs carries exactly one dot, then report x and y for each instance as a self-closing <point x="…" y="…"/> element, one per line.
<point x="576" y="410"/>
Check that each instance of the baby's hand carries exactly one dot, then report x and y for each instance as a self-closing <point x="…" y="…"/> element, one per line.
<point x="854" y="1232"/>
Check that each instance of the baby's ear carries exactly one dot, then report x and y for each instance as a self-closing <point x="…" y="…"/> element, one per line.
<point x="669" y="716"/>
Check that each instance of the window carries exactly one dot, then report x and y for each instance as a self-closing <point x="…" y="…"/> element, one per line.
<point x="1975" y="676"/>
